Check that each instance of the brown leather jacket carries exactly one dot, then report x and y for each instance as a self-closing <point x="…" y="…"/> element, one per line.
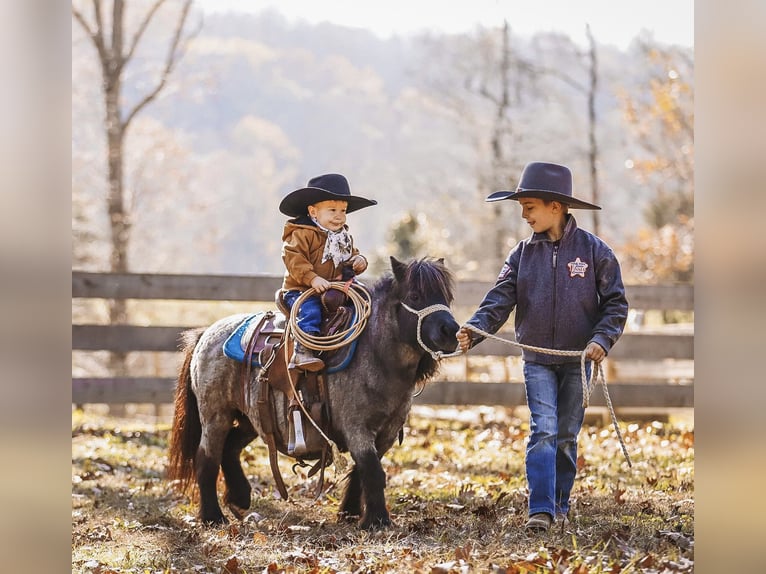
<point x="302" y="249"/>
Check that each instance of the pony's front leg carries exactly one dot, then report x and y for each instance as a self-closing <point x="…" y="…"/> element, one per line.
<point x="373" y="481"/>
<point x="351" y="503"/>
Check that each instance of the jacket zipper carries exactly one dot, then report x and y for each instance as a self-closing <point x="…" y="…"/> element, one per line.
<point x="555" y="258"/>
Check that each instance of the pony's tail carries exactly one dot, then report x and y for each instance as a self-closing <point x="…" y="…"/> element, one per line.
<point x="187" y="430"/>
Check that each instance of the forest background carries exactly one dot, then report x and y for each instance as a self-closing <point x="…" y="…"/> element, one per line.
<point x="426" y="124"/>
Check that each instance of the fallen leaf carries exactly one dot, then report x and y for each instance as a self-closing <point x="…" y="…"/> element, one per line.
<point x="676" y="538"/>
<point x="232" y="565"/>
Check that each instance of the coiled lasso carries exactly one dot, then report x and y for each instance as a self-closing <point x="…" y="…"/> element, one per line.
<point x="597" y="376"/>
<point x="362" y="304"/>
<point x="361" y="300"/>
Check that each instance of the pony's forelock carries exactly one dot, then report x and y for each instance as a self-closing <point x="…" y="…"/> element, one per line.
<point x="428" y="275"/>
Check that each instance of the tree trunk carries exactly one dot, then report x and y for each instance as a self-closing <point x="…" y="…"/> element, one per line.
<point x="501" y="130"/>
<point x="593" y="145"/>
<point x="114" y="52"/>
<point x="119" y="220"/>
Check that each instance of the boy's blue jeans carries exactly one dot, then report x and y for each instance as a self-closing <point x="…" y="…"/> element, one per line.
<point x="310" y="313"/>
<point x="554" y="398"/>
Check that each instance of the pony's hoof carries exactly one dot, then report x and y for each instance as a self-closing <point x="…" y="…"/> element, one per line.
<point x="237" y="511"/>
<point x="348" y="517"/>
<point x="375" y="522"/>
<point x="215" y="520"/>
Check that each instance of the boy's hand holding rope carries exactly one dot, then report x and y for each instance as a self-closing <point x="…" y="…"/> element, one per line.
<point x="587" y="385"/>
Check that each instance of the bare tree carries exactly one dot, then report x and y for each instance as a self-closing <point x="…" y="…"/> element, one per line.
<point x="592" y="143"/>
<point x="115" y="48"/>
<point x="484" y="78"/>
<point x="502" y="134"/>
<point x="590" y="90"/>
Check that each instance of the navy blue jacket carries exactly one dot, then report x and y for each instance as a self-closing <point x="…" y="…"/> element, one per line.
<point x="566" y="294"/>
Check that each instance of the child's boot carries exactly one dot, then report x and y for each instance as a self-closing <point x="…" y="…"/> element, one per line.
<point x="305" y="359"/>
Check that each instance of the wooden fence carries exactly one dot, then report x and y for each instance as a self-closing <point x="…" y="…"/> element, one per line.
<point x="648" y="353"/>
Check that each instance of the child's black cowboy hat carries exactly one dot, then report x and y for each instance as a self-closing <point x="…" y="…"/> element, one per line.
<point x="544" y="181"/>
<point x="328" y="187"/>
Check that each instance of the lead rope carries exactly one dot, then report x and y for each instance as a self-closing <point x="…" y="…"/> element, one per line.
<point x="597" y="376"/>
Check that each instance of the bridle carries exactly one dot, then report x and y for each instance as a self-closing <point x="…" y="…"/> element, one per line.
<point x="421" y="314"/>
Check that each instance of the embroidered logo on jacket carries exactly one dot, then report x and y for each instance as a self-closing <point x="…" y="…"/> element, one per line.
<point x="504" y="272"/>
<point x="577" y="267"/>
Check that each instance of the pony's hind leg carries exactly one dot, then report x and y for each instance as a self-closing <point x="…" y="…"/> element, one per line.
<point x="238" y="488"/>
<point x="207" y="465"/>
<point x="351" y="503"/>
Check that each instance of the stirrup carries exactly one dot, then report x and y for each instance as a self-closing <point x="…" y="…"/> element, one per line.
<point x="296" y="444"/>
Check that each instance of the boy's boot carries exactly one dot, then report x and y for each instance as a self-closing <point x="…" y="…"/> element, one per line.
<point x="305" y="359"/>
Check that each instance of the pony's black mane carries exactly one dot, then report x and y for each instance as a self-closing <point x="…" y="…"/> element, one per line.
<point x="426" y="275"/>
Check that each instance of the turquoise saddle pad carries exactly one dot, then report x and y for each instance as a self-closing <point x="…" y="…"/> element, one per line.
<point x="235" y="345"/>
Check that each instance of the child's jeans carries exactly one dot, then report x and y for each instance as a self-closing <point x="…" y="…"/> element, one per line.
<point x="554" y="398"/>
<point x="310" y="313"/>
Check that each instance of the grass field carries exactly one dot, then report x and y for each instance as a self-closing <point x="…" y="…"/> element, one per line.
<point x="456" y="492"/>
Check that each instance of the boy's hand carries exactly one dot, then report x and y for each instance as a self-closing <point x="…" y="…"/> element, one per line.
<point x="595" y="352"/>
<point x="464" y="339"/>
<point x="358" y="264"/>
<point x="320" y="284"/>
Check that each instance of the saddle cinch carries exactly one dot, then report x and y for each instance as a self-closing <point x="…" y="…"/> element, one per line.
<point x="263" y="343"/>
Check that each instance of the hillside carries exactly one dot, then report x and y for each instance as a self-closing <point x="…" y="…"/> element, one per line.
<point x="258" y="106"/>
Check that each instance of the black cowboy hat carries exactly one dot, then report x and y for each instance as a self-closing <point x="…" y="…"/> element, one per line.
<point x="331" y="186"/>
<point x="544" y="181"/>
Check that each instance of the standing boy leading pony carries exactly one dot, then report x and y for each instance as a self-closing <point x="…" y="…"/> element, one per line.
<point x="315" y="244"/>
<point x="566" y="287"/>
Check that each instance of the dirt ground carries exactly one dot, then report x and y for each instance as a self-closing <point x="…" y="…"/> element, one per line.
<point x="455" y="489"/>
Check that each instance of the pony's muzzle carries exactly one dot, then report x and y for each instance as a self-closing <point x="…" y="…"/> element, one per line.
<point x="439" y="330"/>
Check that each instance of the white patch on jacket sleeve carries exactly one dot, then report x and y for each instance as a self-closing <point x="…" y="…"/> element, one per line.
<point x="504" y="272"/>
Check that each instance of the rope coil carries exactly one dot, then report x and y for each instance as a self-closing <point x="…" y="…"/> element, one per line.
<point x="362" y="303"/>
<point x="597" y="376"/>
<point x="361" y="300"/>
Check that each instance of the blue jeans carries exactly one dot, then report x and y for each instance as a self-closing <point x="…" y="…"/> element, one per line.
<point x="554" y="398"/>
<point x="310" y="313"/>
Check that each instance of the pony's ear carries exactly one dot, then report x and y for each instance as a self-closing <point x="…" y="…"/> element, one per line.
<point x="398" y="268"/>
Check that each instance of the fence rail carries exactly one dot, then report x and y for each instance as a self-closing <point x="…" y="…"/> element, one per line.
<point x="653" y="348"/>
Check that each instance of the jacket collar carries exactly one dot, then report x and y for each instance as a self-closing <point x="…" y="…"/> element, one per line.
<point x="569" y="229"/>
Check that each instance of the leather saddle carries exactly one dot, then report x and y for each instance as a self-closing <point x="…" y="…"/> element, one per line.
<point x="266" y="347"/>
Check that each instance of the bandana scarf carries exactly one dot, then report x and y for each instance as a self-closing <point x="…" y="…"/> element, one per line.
<point x="338" y="245"/>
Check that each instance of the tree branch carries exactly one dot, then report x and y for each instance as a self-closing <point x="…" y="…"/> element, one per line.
<point x="142" y="28"/>
<point x="81" y="19"/>
<point x="117" y="23"/>
<point x="100" y="31"/>
<point x="170" y="62"/>
<point x="96" y="36"/>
